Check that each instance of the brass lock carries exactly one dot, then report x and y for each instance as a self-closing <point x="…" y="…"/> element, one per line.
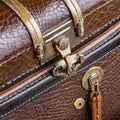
<point x="91" y="77"/>
<point x="69" y="63"/>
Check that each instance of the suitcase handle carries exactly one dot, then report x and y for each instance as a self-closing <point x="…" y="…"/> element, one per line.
<point x="30" y="25"/>
<point x="76" y="13"/>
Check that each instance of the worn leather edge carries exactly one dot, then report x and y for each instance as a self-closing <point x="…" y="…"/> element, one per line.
<point x="87" y="39"/>
<point x="39" y="87"/>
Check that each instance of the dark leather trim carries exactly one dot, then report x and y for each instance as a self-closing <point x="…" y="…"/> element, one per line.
<point x="45" y="83"/>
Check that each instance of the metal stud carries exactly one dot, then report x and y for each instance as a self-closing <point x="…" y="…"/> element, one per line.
<point x="79" y="103"/>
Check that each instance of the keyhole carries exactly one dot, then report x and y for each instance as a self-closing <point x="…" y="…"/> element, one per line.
<point x="80" y="104"/>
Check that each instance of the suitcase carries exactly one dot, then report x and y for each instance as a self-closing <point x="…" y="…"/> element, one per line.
<point x="59" y="60"/>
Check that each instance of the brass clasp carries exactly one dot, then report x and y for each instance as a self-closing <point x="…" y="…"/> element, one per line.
<point x="92" y="78"/>
<point x="94" y="83"/>
<point x="70" y="63"/>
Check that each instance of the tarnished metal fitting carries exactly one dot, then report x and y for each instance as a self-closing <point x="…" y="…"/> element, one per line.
<point x="70" y="63"/>
<point x="79" y="103"/>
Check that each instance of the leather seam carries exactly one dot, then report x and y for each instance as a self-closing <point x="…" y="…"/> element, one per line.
<point x="56" y="84"/>
<point x="24" y="88"/>
<point x="98" y="8"/>
<point x="111" y="36"/>
<point x="54" y="56"/>
<point x="102" y="28"/>
<point x="106" y="25"/>
<point x="22" y="52"/>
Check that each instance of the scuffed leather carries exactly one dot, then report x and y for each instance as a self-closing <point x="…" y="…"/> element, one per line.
<point x="57" y="104"/>
<point x="16" y="54"/>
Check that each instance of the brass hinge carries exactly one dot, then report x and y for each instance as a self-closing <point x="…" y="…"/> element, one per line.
<point x="69" y="63"/>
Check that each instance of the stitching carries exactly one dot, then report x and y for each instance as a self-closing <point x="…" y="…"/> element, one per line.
<point x="15" y="56"/>
<point x="98" y="8"/>
<point x="59" y="82"/>
<point x="24" y="88"/>
<point x="46" y="75"/>
<point x="97" y="31"/>
<point x="31" y="47"/>
<point x="10" y="82"/>
<point x="97" y="46"/>
<point x="102" y="28"/>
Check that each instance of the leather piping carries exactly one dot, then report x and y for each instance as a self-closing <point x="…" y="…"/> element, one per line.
<point x="27" y="20"/>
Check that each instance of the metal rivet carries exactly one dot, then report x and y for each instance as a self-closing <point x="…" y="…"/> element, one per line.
<point x="79" y="103"/>
<point x="63" y="43"/>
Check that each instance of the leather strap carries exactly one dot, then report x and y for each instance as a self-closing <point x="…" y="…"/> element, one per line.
<point x="95" y="105"/>
<point x="30" y="25"/>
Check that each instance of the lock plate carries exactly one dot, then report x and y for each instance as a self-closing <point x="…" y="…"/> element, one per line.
<point x="94" y="70"/>
<point x="69" y="63"/>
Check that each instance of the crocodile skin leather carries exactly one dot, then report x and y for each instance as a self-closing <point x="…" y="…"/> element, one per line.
<point x="57" y="104"/>
<point x="16" y="54"/>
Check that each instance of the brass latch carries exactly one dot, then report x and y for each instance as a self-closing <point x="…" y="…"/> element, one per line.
<point x="92" y="78"/>
<point x="70" y="63"/>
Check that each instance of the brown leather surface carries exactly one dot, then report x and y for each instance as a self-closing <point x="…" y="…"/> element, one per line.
<point x="57" y="104"/>
<point x="16" y="54"/>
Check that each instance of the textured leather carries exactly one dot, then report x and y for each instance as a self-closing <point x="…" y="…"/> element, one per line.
<point x="16" y="54"/>
<point x="42" y="80"/>
<point x="57" y="104"/>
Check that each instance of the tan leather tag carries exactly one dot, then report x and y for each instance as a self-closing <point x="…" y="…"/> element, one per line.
<point x="96" y="105"/>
